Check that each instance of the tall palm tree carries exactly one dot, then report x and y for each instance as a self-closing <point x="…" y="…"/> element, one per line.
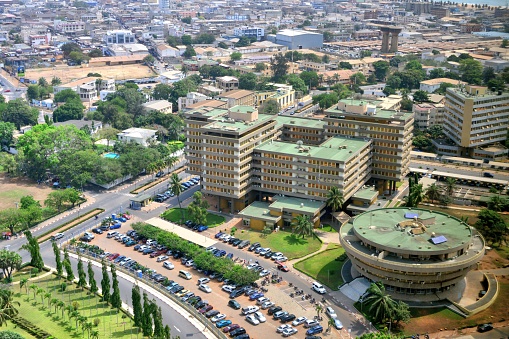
<point x="318" y="309"/>
<point x="41" y="292"/>
<point x="302" y="225"/>
<point x="47" y="296"/>
<point x="496" y="203"/>
<point x="335" y="199"/>
<point x="34" y="288"/>
<point x="94" y="335"/>
<point x="54" y="302"/>
<point x="380" y="305"/>
<point x="69" y="310"/>
<point x="330" y="323"/>
<point x="61" y="306"/>
<point x="170" y="161"/>
<point x="87" y="327"/>
<point x="176" y="188"/>
<point x="7" y="306"/>
<point x="433" y="192"/>
<point x="24" y="283"/>
<point x="450" y="185"/>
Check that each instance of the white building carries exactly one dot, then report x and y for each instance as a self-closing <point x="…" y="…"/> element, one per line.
<point x="119" y="37"/>
<point x="250" y="32"/>
<point x="162" y="106"/>
<point x="374" y="90"/>
<point x="141" y="136"/>
<point x="125" y="50"/>
<point x="166" y="51"/>
<point x="297" y="39"/>
<point x="190" y="99"/>
<point x="432" y="85"/>
<point x="39" y="39"/>
<point x="68" y="26"/>
<point x="88" y="87"/>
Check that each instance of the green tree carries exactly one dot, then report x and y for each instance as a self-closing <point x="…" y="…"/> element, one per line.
<point x="302" y="225"/>
<point x="11" y="219"/>
<point x="7" y="305"/>
<point x="471" y="71"/>
<point x="433" y="192"/>
<point x="244" y="41"/>
<point x="186" y="20"/>
<point x="443" y="88"/>
<point x="33" y="92"/>
<point x="365" y="54"/>
<point x="505" y="43"/>
<point x="67" y="266"/>
<point x="197" y="209"/>
<point x="137" y="307"/>
<point x="19" y="113"/>
<point x="9" y="261"/>
<point x="67" y="95"/>
<point x="235" y="56"/>
<point x="176" y="187"/>
<point x="6" y="133"/>
<point x="279" y="67"/>
<point x="325" y="100"/>
<point x="222" y="45"/>
<point x="91" y="280"/>
<point x="95" y="53"/>
<point x="149" y="60"/>
<point x="147" y="319"/>
<point x="71" y="110"/>
<point x="70" y="47"/>
<point x="259" y="67"/>
<point x="161" y="92"/>
<point x="247" y="81"/>
<point x="82" y="277"/>
<point x="189" y="53"/>
<point x="10" y="335"/>
<point x="269" y="106"/>
<point x="56" y="200"/>
<point x="158" y="320"/>
<point x="115" y="299"/>
<point x="345" y="65"/>
<point x="310" y="78"/>
<point x="58" y="259"/>
<point x="421" y="96"/>
<point x="105" y="282"/>
<point x="381" y="69"/>
<point x="488" y="74"/>
<point x="55" y="81"/>
<point x="380" y="305"/>
<point x="335" y="199"/>
<point x="297" y="83"/>
<point x="32" y="246"/>
<point x="450" y="185"/>
<point x="491" y="225"/>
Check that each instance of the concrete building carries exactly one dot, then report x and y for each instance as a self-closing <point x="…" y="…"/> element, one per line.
<point x="141" y="136"/>
<point x="428" y="114"/>
<point x="227" y="83"/>
<point x="251" y="32"/>
<point x="68" y="26"/>
<point x="284" y="95"/>
<point x="238" y="97"/>
<point x="191" y="98"/>
<point x="87" y="88"/>
<point x="390" y="130"/>
<point x="418" y="254"/>
<point x="297" y="39"/>
<point x="119" y="37"/>
<point x="475" y="118"/>
<point x="162" y="106"/>
<point x="166" y="51"/>
<point x="432" y="85"/>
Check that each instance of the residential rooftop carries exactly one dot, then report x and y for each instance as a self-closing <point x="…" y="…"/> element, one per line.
<point x="412" y="229"/>
<point x="335" y="149"/>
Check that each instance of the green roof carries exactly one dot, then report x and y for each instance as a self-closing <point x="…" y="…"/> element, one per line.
<point x="380" y="227"/>
<point x="330" y="149"/>
<point x="208" y="112"/>
<point x="242" y="109"/>
<point x="222" y="123"/>
<point x="257" y="210"/>
<point x="296" y="205"/>
<point x="367" y="193"/>
<point x="301" y="122"/>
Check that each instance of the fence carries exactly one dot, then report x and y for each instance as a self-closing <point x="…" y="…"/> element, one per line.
<point x="189" y="308"/>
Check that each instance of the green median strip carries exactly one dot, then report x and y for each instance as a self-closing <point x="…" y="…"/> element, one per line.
<point x="70" y="224"/>
<point x="155" y="182"/>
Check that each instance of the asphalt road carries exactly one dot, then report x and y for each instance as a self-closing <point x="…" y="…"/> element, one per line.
<point x="462" y="170"/>
<point x="14" y="92"/>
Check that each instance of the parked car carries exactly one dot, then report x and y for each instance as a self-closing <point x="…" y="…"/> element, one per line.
<point x="234" y="304"/>
<point x="274" y="309"/>
<point x="250" y="309"/>
<point x="289" y="331"/>
<point x="261" y="318"/>
<point x="237" y="332"/>
<point x="282" y="267"/>
<point x="287" y="318"/>
<point x="330" y="312"/>
<point x="218" y="317"/>
<point x="243" y="244"/>
<point x="162" y="258"/>
<point x="337" y="324"/>
<point x="252" y="319"/>
<point x="485" y="327"/>
<point x="205" y="288"/>
<point x="314" y="330"/>
<point x="223" y="323"/>
<point x="97" y="231"/>
<point x="267" y="304"/>
<point x="283" y="327"/>
<point x="168" y="265"/>
<point x="310" y="323"/>
<point x="253" y="246"/>
<point x="212" y="313"/>
<point x="317" y="287"/>
<point x="299" y="320"/>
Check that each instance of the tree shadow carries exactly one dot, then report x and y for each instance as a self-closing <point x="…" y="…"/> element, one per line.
<point x="292" y="239"/>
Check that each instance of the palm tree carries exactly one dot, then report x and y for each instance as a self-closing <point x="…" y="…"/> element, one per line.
<point x="496" y="203"/>
<point x="24" y="282"/>
<point x="380" y="305"/>
<point x="318" y="309"/>
<point x="75" y="315"/>
<point x="450" y="184"/>
<point x="7" y="306"/>
<point x="34" y="288"/>
<point x="69" y="310"/>
<point x="61" y="306"/>
<point x="302" y="225"/>
<point x="82" y="320"/>
<point x="47" y="296"/>
<point x="54" y="302"/>
<point x="330" y="323"/>
<point x="151" y="169"/>
<point x="176" y="188"/>
<point x="94" y="335"/>
<point x="41" y="292"/>
<point x="433" y="192"/>
<point x="335" y="199"/>
<point x="170" y="161"/>
<point x="87" y="327"/>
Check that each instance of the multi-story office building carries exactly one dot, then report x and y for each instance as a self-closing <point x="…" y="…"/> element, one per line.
<point x="227" y="83"/>
<point x="428" y="114"/>
<point x="415" y="252"/>
<point x="390" y="131"/>
<point x="250" y="32"/>
<point x="297" y="39"/>
<point x="475" y="118"/>
<point x="119" y="37"/>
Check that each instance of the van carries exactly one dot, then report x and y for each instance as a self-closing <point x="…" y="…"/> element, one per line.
<point x="318" y="288"/>
<point x="185" y="274"/>
<point x="111" y="234"/>
<point x="57" y="236"/>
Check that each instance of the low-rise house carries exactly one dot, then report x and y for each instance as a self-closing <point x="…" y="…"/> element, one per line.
<point x="162" y="106"/>
<point x="141" y="136"/>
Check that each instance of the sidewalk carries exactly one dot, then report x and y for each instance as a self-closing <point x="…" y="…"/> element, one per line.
<point x="36" y="278"/>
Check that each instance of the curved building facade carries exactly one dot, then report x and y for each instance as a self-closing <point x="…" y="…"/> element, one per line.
<point x="413" y="251"/>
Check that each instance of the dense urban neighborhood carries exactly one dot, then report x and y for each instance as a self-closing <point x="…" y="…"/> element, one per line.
<point x="233" y="169"/>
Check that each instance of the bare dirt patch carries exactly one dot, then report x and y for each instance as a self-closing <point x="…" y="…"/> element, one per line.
<point x="13" y="189"/>
<point x="69" y="73"/>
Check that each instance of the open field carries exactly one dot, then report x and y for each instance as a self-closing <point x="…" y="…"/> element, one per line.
<point x="324" y="267"/>
<point x="9" y="326"/>
<point x="12" y="189"/>
<point x="472" y="215"/>
<point x="111" y="323"/>
<point x="291" y="245"/>
<point x="68" y="73"/>
<point x="174" y="215"/>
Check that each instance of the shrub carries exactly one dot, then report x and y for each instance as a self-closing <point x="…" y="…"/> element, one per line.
<point x="34" y="271"/>
<point x="97" y="321"/>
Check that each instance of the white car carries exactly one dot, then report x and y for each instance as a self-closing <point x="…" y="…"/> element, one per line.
<point x="317" y="287"/>
<point x="260" y="317"/>
<point x="228" y="288"/>
<point x="330" y="312"/>
<point x="227" y="238"/>
<point x="218" y="317"/>
<point x="250" y="309"/>
<point x="261" y="300"/>
<point x="264" y="273"/>
<point x="289" y="331"/>
<point x="252" y="319"/>
<point x="310" y="323"/>
<point x="168" y="265"/>
<point x="89" y="235"/>
<point x="203" y="281"/>
<point x="283" y="327"/>
<point x="205" y="288"/>
<point x="189" y="263"/>
<point x="267" y="304"/>
<point x="281" y="259"/>
<point x="276" y="255"/>
<point x="299" y="320"/>
<point x="264" y="251"/>
<point x="162" y="258"/>
<point x="222" y="237"/>
<point x="211" y="248"/>
<point x="252" y="266"/>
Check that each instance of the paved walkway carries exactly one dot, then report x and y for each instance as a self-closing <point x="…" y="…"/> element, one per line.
<point x="36" y="278"/>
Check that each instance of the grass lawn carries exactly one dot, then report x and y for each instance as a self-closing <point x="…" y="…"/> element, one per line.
<point x="111" y="324"/>
<point x="174" y="215"/>
<point x="290" y="244"/>
<point x="14" y="328"/>
<point x="324" y="267"/>
<point x="327" y="228"/>
<point x="25" y="272"/>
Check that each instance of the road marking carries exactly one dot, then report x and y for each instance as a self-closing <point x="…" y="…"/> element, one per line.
<point x="176" y="328"/>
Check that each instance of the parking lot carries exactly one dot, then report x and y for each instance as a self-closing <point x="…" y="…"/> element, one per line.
<point x="277" y="293"/>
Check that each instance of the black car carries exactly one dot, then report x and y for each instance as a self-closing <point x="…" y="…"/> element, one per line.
<point x="232" y="240"/>
<point x="268" y="254"/>
<point x="137" y="247"/>
<point x="211" y="313"/>
<point x="105" y="227"/>
<point x="177" y="255"/>
<point x="236" y="293"/>
<point x="200" y="304"/>
<point x="85" y="239"/>
<point x="313" y="337"/>
<point x="485" y="327"/>
<point x="177" y="289"/>
<point x="287" y="318"/>
<point x="274" y="309"/>
<point x="279" y="316"/>
<point x="234" y="304"/>
<point x="97" y="231"/>
<point x="237" y="332"/>
<point x="236" y="242"/>
<point x="148" y="251"/>
<point x="250" y="291"/>
<point x="253" y="246"/>
<point x="244" y="244"/>
<point x="242" y="336"/>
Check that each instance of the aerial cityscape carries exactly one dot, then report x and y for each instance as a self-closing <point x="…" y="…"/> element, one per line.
<point x="233" y="169"/>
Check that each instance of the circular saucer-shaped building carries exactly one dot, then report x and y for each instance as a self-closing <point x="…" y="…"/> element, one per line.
<point x="412" y="251"/>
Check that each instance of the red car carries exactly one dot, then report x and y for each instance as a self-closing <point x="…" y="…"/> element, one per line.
<point x="230" y="328"/>
<point x="7" y="90"/>
<point x="127" y="216"/>
<point x="206" y="309"/>
<point x="282" y="267"/>
<point x="113" y="256"/>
